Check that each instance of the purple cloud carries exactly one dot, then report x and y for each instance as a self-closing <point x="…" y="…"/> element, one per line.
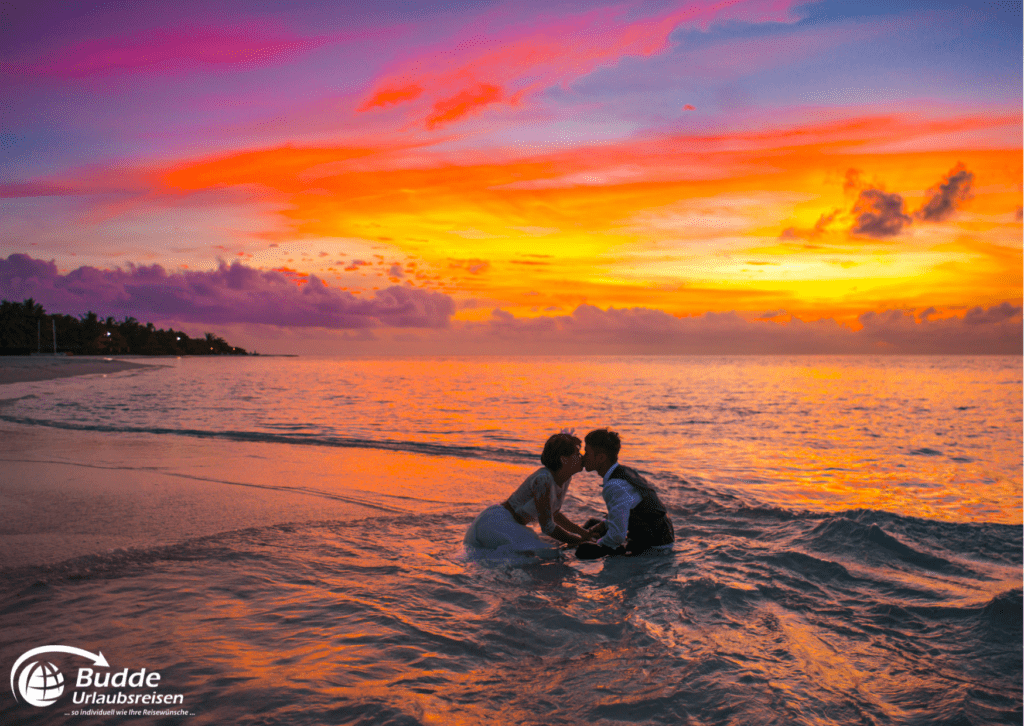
<point x="230" y="294"/>
<point x="955" y="188"/>
<point x="981" y="330"/>
<point x="879" y="214"/>
<point x="589" y="329"/>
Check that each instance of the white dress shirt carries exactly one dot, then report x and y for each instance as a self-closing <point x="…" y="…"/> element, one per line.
<point x="620" y="497"/>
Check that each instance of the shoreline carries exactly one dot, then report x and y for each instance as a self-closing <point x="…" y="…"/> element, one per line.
<point x="25" y="369"/>
<point x="66" y="494"/>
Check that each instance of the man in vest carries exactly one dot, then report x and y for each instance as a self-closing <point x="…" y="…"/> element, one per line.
<point x="636" y="520"/>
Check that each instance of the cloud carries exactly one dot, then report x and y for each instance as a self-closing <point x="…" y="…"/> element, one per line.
<point x="589" y="329"/>
<point x="230" y="294"/>
<point x="170" y="50"/>
<point x="996" y="329"/>
<point x="463" y="103"/>
<point x="879" y="214"/>
<point x="955" y="188"/>
<point x="820" y="227"/>
<point x="15" y="190"/>
<point x="392" y="95"/>
<point x="536" y="52"/>
<point x="473" y="266"/>
<point x="239" y="295"/>
<point x="852" y="181"/>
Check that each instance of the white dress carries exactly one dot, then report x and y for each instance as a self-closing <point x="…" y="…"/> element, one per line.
<point x="496" y="529"/>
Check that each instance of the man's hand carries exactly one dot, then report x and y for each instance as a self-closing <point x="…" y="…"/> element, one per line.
<point x="593" y="551"/>
<point x="596" y="527"/>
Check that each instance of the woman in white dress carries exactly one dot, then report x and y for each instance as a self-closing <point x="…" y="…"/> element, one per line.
<point x="503" y="527"/>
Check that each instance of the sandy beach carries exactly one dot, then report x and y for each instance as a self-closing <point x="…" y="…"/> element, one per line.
<point x="19" y="369"/>
<point x="66" y="494"/>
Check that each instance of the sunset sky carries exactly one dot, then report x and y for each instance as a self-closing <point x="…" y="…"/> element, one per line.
<point x="331" y="177"/>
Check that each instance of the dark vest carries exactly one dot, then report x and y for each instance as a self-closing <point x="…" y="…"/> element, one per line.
<point x="648" y="524"/>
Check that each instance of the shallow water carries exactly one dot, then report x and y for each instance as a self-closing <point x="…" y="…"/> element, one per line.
<point x="759" y="616"/>
<point x="785" y="600"/>
<point x="931" y="436"/>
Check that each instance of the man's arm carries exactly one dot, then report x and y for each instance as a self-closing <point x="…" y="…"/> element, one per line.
<point x="621" y="498"/>
<point x="597" y="526"/>
<point x="569" y="526"/>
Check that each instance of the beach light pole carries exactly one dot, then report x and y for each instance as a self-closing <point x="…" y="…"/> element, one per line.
<point x="54" y="336"/>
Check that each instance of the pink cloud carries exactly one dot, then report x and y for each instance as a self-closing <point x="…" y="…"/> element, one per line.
<point x="171" y="50"/>
<point x="230" y="294"/>
<point x="542" y="52"/>
<point x="463" y="103"/>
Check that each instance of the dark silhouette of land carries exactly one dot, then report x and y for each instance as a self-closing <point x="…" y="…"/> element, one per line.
<point x="25" y="328"/>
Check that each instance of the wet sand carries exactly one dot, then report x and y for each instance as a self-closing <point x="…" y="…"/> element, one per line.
<point x="19" y="369"/>
<point x="66" y="493"/>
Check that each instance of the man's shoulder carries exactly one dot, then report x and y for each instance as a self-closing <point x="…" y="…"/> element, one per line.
<point x="618" y="485"/>
<point x="622" y="473"/>
<point x="629" y="474"/>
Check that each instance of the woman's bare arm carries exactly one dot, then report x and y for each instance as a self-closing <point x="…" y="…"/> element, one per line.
<point x="569" y="526"/>
<point x="546" y="517"/>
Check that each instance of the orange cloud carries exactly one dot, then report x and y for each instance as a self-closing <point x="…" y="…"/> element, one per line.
<point x="281" y="168"/>
<point x="684" y="223"/>
<point x="392" y="95"/>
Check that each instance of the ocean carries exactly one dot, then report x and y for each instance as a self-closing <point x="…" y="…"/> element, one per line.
<point x="281" y="540"/>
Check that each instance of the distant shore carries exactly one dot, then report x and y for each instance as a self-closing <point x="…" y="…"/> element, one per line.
<point x="19" y="369"/>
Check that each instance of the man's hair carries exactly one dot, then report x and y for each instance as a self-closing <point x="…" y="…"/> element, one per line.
<point x="604" y="440"/>
<point x="558" y="446"/>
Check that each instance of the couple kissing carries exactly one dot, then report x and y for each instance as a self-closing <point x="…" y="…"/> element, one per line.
<point x="636" y="521"/>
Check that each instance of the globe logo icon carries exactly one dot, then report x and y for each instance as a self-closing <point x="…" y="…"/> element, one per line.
<point x="41" y="683"/>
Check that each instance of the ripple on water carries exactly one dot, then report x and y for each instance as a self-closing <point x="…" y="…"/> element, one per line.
<point x="386" y="619"/>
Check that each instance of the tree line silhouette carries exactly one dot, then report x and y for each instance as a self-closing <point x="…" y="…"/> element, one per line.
<point x="25" y="328"/>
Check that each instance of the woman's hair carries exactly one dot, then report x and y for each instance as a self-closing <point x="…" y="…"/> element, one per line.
<point x="558" y="446"/>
